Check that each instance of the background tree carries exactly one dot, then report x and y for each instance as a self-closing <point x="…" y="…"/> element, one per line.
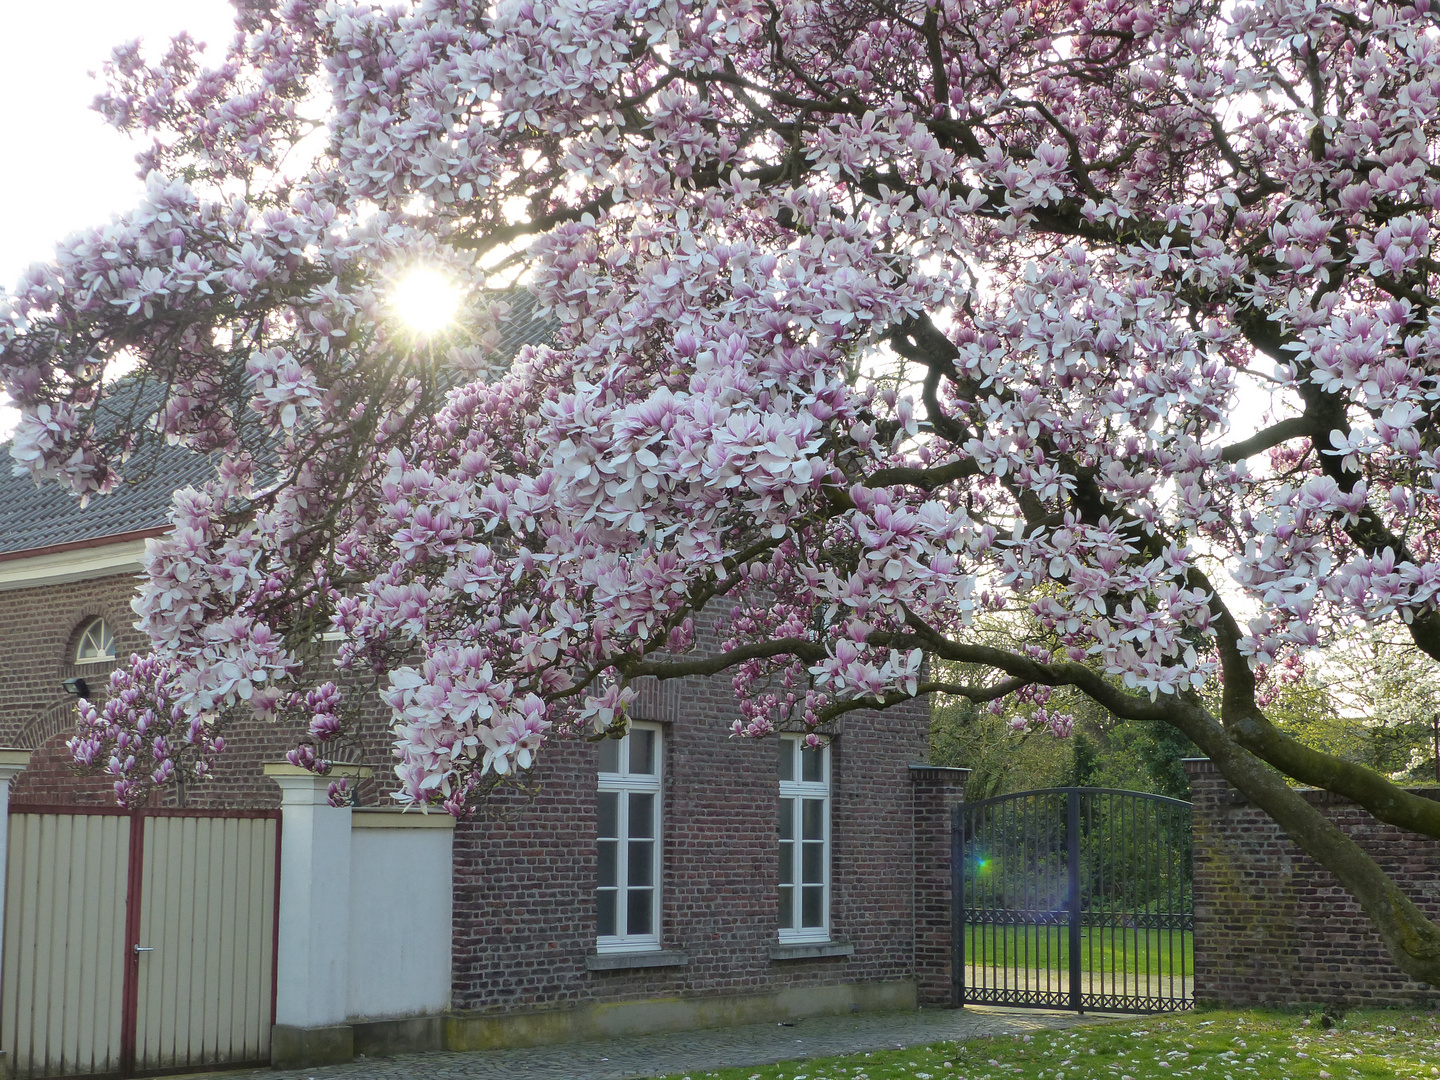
<point x="1097" y="235"/>
<point x="1373" y="702"/>
<point x="1007" y="750"/>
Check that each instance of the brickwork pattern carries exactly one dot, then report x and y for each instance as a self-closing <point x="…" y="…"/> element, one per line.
<point x="50" y="779"/>
<point x="524" y="883"/>
<point x="525" y="873"/>
<point x="936" y="793"/>
<point x="1273" y="927"/>
<point x="39" y="629"/>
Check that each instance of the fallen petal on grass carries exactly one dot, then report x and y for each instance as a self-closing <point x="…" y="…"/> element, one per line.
<point x="1209" y="1045"/>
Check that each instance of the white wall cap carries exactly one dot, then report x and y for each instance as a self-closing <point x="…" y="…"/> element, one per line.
<point x="277" y="770"/>
<point x="384" y="817"/>
<point x="12" y="764"/>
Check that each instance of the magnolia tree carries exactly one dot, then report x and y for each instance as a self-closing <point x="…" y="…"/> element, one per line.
<point x="876" y="322"/>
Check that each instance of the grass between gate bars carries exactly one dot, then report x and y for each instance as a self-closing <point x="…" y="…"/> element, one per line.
<point x="1134" y="952"/>
<point x="1251" y="1045"/>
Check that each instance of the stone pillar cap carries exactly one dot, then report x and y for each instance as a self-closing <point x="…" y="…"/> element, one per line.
<point x="283" y="769"/>
<point x="950" y="773"/>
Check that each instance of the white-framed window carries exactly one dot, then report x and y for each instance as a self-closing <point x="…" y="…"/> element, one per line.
<point x="804" y="834"/>
<point x="97" y="644"/>
<point x="627" y="897"/>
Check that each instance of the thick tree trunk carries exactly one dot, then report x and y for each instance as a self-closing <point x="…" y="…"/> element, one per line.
<point x="1412" y="939"/>
<point x="1386" y="801"/>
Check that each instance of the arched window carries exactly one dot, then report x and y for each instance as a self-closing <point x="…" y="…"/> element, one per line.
<point x="97" y="644"/>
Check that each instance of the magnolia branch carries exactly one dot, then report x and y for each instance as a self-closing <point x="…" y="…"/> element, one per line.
<point x="801" y="648"/>
<point x="1413" y="940"/>
<point x="977" y="694"/>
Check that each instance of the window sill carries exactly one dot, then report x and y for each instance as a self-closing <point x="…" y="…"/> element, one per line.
<point x="634" y="961"/>
<point x="812" y="950"/>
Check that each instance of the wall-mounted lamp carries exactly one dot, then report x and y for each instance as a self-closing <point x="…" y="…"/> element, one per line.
<point x="76" y="686"/>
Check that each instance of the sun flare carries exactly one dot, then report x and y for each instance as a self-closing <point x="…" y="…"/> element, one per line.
<point x="426" y="300"/>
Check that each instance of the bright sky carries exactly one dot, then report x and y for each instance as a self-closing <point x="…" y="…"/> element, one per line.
<point x="63" y="168"/>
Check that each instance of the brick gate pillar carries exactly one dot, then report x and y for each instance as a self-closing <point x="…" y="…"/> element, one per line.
<point x="312" y="968"/>
<point x="936" y="791"/>
<point x="1210" y="793"/>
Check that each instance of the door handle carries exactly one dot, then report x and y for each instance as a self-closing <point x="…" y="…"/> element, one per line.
<point x="144" y="948"/>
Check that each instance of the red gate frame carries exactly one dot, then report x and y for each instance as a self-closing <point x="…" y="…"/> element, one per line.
<point x="130" y="985"/>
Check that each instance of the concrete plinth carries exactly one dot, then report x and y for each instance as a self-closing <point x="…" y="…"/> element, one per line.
<point x="301" y="1048"/>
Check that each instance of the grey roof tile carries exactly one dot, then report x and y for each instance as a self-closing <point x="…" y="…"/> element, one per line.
<point x="34" y="517"/>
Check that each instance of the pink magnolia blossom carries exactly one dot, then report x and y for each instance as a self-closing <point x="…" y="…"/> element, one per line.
<point x="875" y="325"/>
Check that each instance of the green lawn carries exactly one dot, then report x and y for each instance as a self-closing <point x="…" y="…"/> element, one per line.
<point x="1100" y="949"/>
<point x="1203" y="1046"/>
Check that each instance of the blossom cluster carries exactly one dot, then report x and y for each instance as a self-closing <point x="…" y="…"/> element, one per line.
<point x="141" y="736"/>
<point x="870" y="319"/>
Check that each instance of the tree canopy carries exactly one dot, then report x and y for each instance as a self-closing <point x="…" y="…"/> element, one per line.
<point x="877" y="318"/>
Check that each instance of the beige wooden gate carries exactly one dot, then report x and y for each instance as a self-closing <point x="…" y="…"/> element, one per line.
<point x="62" y="980"/>
<point x="138" y="942"/>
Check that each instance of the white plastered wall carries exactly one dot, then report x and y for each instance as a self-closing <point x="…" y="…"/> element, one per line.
<point x="365" y="907"/>
<point x="400" y="914"/>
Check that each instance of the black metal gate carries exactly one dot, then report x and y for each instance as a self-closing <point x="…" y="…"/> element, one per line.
<point x="1073" y="898"/>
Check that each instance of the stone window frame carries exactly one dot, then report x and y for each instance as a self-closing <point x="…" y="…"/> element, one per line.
<point x="619" y="780"/>
<point x="796" y="789"/>
<point x="88" y="638"/>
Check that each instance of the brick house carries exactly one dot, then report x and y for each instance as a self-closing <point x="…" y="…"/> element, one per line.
<point x="677" y="878"/>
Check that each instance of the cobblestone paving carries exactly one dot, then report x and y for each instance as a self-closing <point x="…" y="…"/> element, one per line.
<point x="692" y="1052"/>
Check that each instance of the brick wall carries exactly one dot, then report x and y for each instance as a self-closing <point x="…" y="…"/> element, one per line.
<point x="936" y="792"/>
<point x="39" y="629"/>
<point x="524" y="883"/>
<point x="1273" y="927"/>
<point x="50" y="779"/>
<point x="525" y="874"/>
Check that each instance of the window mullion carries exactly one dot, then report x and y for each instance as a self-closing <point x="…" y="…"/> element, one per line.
<point x="825" y="867"/>
<point x="799" y="924"/>
<point x="656" y="862"/>
<point x="622" y="872"/>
